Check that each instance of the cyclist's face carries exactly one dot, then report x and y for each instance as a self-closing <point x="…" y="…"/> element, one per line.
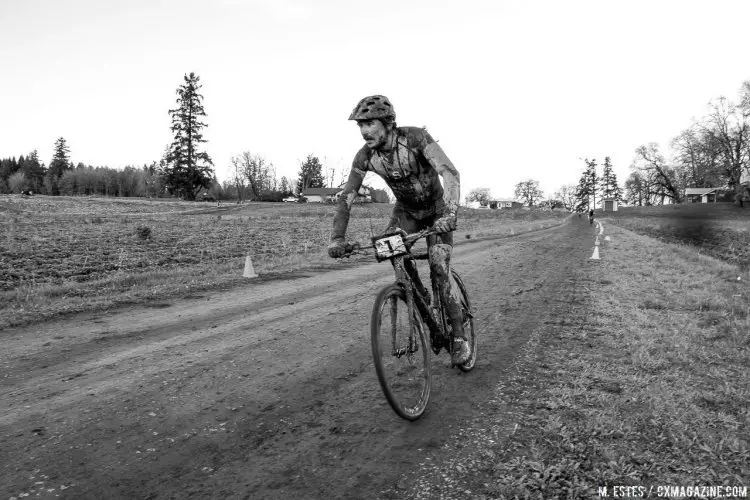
<point x="373" y="132"/>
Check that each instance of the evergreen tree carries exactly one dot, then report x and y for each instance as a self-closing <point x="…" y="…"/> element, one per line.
<point x="310" y="174"/>
<point x="609" y="186"/>
<point x="34" y="171"/>
<point x="8" y="167"/>
<point x="61" y="158"/>
<point x="57" y="167"/>
<point x="586" y="190"/>
<point x="186" y="169"/>
<point x="285" y="186"/>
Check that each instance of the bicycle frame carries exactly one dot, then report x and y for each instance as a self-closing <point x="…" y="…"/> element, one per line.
<point x="407" y="277"/>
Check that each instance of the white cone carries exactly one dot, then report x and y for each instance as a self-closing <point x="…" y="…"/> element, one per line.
<point x="249" y="271"/>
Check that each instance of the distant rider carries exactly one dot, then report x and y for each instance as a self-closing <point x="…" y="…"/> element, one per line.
<point x="591" y="216"/>
<point x="411" y="163"/>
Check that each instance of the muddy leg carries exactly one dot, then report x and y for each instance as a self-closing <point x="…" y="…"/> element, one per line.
<point x="440" y="257"/>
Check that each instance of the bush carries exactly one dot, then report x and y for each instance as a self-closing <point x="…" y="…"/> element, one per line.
<point x="17" y="182"/>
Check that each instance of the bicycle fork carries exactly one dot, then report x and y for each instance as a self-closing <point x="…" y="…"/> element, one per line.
<point x="412" y="345"/>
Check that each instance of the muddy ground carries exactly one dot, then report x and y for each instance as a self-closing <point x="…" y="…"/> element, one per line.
<point x="262" y="391"/>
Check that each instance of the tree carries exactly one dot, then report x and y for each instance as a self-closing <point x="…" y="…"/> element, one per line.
<point x="586" y="189"/>
<point x="8" y="167"/>
<point x="567" y="196"/>
<point x="528" y="192"/>
<point x="636" y="192"/>
<point x="259" y="172"/>
<point x="17" y="182"/>
<point x="661" y="179"/>
<point x="185" y="168"/>
<point x="481" y="195"/>
<point x="729" y="124"/>
<point x="608" y="182"/>
<point x="238" y="177"/>
<point x="34" y="170"/>
<point x="60" y="158"/>
<point x="285" y="186"/>
<point x="697" y="157"/>
<point x="310" y="174"/>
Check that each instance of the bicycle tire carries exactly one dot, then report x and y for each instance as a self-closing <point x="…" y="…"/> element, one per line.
<point x="468" y="325"/>
<point x="405" y="379"/>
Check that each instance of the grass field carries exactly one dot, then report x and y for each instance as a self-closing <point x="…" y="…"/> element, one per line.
<point x="718" y="229"/>
<point x="66" y="254"/>
<point x="647" y="384"/>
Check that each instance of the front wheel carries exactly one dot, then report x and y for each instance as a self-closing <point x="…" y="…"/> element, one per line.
<point x="468" y="322"/>
<point x="402" y="359"/>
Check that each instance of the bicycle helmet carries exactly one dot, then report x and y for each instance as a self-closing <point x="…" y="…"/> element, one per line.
<point x="374" y="107"/>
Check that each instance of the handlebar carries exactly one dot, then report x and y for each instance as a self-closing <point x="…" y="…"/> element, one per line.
<point x="409" y="241"/>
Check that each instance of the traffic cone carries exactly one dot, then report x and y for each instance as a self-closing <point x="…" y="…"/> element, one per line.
<point x="249" y="271"/>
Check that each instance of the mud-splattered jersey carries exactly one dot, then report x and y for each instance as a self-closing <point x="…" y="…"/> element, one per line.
<point x="412" y="169"/>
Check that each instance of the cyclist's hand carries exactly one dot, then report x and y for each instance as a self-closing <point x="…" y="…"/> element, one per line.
<point x="395" y="230"/>
<point x="337" y="248"/>
<point x="445" y="224"/>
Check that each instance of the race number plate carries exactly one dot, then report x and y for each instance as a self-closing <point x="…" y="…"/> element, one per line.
<point x="389" y="246"/>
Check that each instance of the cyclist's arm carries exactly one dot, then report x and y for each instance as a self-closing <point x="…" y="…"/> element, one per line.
<point x="451" y="180"/>
<point x="341" y="217"/>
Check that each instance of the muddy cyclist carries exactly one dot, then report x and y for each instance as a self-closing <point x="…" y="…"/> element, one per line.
<point x="411" y="163"/>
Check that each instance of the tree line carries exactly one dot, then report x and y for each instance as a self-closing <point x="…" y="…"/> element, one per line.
<point x="591" y="188"/>
<point x="185" y="169"/>
<point x="713" y="152"/>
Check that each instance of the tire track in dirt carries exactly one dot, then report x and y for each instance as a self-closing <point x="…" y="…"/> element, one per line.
<point x="453" y="471"/>
<point x="278" y="400"/>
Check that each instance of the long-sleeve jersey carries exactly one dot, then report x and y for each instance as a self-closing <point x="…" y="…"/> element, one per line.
<point x="411" y="169"/>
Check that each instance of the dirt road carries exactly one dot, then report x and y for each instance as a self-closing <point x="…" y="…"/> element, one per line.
<point x="262" y="391"/>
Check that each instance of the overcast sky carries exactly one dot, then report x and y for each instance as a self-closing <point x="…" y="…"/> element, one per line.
<point x="512" y="89"/>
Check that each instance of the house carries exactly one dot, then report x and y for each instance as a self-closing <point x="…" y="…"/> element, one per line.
<point x="505" y="204"/>
<point x="700" y="195"/>
<point x="320" y="195"/>
<point x="609" y="204"/>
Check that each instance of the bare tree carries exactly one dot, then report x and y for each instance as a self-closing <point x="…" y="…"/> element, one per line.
<point x="528" y="192"/>
<point x="662" y="180"/>
<point x="567" y="196"/>
<point x="698" y="157"/>
<point x="237" y="177"/>
<point x="729" y="124"/>
<point x="259" y="172"/>
<point x="481" y="195"/>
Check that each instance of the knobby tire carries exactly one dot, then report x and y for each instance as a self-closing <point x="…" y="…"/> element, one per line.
<point x="468" y="324"/>
<point x="390" y="298"/>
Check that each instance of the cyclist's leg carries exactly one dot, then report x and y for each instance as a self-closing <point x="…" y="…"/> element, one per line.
<point x="440" y="250"/>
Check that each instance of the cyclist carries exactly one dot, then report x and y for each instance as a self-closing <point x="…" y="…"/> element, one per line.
<point x="591" y="216"/>
<point x="410" y="162"/>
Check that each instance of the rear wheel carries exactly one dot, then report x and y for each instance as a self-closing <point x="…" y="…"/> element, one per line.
<point x="402" y="361"/>
<point x="468" y="318"/>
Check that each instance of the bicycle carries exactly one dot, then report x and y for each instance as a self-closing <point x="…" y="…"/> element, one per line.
<point x="397" y="325"/>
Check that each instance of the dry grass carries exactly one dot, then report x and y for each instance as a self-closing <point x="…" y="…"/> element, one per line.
<point x="647" y="386"/>
<point x="721" y="230"/>
<point x="70" y="254"/>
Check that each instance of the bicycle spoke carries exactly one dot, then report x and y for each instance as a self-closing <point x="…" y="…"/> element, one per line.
<point x="402" y="364"/>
